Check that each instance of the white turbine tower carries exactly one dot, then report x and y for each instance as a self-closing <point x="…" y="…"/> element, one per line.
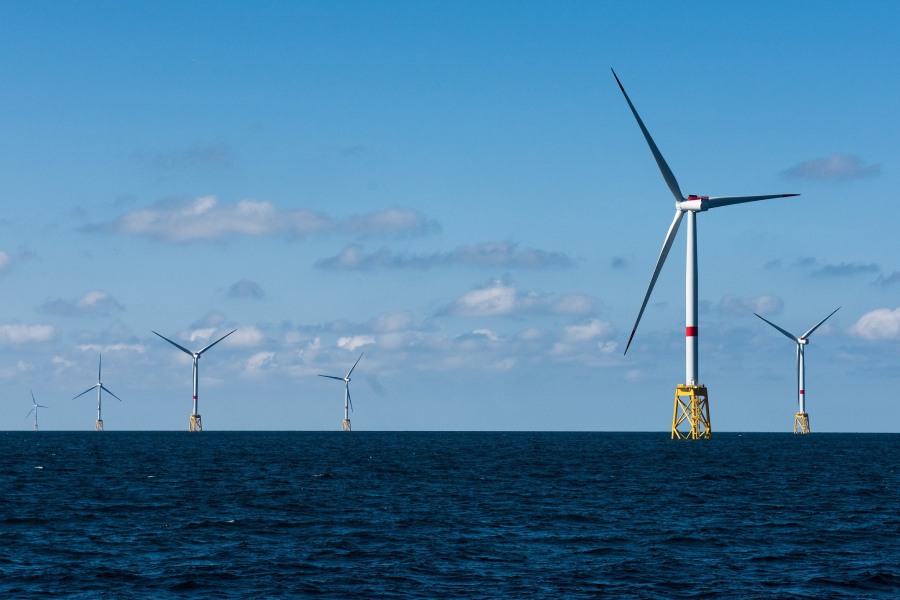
<point x="801" y="420"/>
<point x="34" y="408"/>
<point x="691" y="400"/>
<point x="195" y="416"/>
<point x="100" y="389"/>
<point x="347" y="400"/>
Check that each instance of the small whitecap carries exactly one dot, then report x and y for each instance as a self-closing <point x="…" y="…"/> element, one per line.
<point x="39" y="467"/>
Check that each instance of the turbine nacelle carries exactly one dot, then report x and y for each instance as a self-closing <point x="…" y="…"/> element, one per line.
<point x="693" y="204"/>
<point x="803" y="341"/>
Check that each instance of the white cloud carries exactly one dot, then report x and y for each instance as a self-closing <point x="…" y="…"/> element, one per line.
<point x="246" y="336"/>
<point x="836" y="166"/>
<point x="352" y="343"/>
<point x="587" y="331"/>
<point x="879" y="324"/>
<point x="259" y="360"/>
<point x="206" y="219"/>
<point x="24" y="334"/>
<point x="500" y="298"/>
<point x="21" y="367"/>
<point x="201" y="334"/>
<point x="139" y="348"/>
<point x="763" y="305"/>
<point x="93" y="303"/>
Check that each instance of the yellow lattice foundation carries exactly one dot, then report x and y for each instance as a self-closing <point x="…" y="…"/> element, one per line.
<point x="99" y="425"/>
<point x="346" y="426"/>
<point x="801" y="423"/>
<point x="195" y="423"/>
<point x="692" y="407"/>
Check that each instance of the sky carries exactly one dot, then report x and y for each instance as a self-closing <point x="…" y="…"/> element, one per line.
<point x="458" y="191"/>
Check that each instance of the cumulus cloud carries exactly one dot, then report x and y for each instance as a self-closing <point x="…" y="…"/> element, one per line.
<point x="205" y="219"/>
<point x="836" y="166"/>
<point x="216" y="154"/>
<point x="93" y="304"/>
<point x="762" y="305"/>
<point x="879" y="324"/>
<point x="505" y="255"/>
<point x="846" y="269"/>
<point x="245" y="336"/>
<point x="25" y="334"/>
<point x="246" y="289"/>
<point x="259" y="361"/>
<point x="500" y="298"/>
<point x="354" y="342"/>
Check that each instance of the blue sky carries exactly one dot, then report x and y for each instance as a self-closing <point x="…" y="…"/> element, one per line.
<point x="458" y="190"/>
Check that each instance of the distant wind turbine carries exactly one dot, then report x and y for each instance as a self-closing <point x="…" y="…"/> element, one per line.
<point x="100" y="389"/>
<point x="34" y="409"/>
<point x="695" y="409"/>
<point x="195" y="416"/>
<point x="801" y="420"/>
<point x="347" y="400"/>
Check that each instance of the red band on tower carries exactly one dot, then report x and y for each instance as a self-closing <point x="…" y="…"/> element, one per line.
<point x="691" y="331"/>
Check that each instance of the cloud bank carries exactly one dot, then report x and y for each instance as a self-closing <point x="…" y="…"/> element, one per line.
<point x="506" y="255"/>
<point x="836" y="166"/>
<point x="499" y="298"/>
<point x="879" y="324"/>
<point x="93" y="304"/>
<point x="205" y="219"/>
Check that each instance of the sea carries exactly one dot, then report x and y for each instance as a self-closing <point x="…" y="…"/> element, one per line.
<point x="448" y="515"/>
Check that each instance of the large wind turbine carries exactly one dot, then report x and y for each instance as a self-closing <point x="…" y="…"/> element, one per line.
<point x="34" y="408"/>
<point x="195" y="416"/>
<point x="801" y="420"/>
<point x="100" y="389"/>
<point x="696" y="409"/>
<point x="347" y="400"/>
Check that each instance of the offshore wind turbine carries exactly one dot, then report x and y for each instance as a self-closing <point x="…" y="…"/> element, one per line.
<point x="347" y="400"/>
<point x="34" y="408"/>
<point x="195" y="424"/>
<point x="100" y="389"/>
<point x="691" y="399"/>
<point x="801" y="420"/>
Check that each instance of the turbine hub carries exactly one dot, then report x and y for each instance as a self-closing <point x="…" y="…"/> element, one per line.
<point x="804" y="341"/>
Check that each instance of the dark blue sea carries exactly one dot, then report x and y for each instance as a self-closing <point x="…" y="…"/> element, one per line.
<point x="448" y="515"/>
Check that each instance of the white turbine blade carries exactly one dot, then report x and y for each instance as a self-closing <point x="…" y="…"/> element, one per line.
<point x="798" y="374"/>
<point x="779" y="329"/>
<point x="30" y="411"/>
<point x="660" y="161"/>
<point x="332" y="377"/>
<point x="182" y="348"/>
<point x="103" y="387"/>
<point x="667" y="245"/>
<point x="86" y="391"/>
<point x="354" y="364"/>
<point x="217" y="341"/>
<point x="349" y="398"/>
<point x="729" y="200"/>
<point x="42" y="406"/>
<point x="100" y="369"/>
<point x="33" y="401"/>
<point x="809" y="333"/>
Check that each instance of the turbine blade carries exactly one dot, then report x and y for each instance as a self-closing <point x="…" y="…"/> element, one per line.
<point x="103" y="387"/>
<point x="729" y="200"/>
<point x="180" y="347"/>
<point x="349" y="398"/>
<point x="86" y="391"/>
<point x="660" y="161"/>
<point x="31" y="411"/>
<point x="217" y="341"/>
<point x="332" y="377"/>
<point x="42" y="406"/>
<point x="354" y="364"/>
<point x="809" y="333"/>
<point x="100" y="369"/>
<point x="667" y="245"/>
<point x="779" y="329"/>
<point x="33" y="401"/>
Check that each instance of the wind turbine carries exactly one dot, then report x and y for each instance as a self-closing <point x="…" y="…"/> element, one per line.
<point x="100" y="389"/>
<point x="347" y="400"/>
<point x="34" y="408"/>
<point x="695" y="409"/>
<point x="801" y="420"/>
<point x="195" y="416"/>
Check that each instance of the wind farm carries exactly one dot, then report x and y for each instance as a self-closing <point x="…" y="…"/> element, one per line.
<point x="98" y="426"/>
<point x="801" y="419"/>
